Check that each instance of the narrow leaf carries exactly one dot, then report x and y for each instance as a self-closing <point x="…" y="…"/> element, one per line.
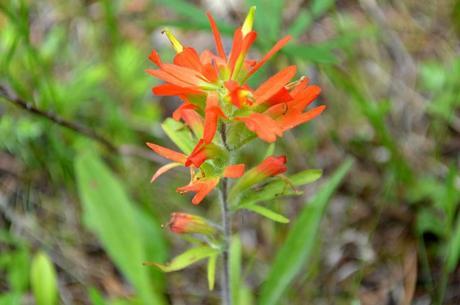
<point x="278" y="188"/>
<point x="185" y="259"/>
<point x="295" y="252"/>
<point x="110" y="214"/>
<point x="179" y="134"/>
<point x="311" y="53"/>
<point x="212" y="271"/>
<point x="43" y="280"/>
<point x="453" y="254"/>
<point x="235" y="269"/>
<point x="265" y="212"/>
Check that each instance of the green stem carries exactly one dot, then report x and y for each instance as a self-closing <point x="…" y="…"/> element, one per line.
<point x="226" y="224"/>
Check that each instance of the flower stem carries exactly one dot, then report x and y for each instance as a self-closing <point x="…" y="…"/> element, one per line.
<point x="226" y="224"/>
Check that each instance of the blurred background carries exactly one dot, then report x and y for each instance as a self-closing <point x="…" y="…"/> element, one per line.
<point x="72" y="81"/>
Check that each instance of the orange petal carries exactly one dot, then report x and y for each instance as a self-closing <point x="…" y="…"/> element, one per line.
<point x="302" y="85"/>
<point x="193" y="120"/>
<point x="168" y="153"/>
<point x="281" y="43"/>
<point x="292" y="120"/>
<point x="201" y="188"/>
<point x="207" y="187"/>
<point x="234" y="171"/>
<point x="306" y="97"/>
<point x="217" y="38"/>
<point x="264" y="126"/>
<point x="212" y="114"/>
<point x="155" y="58"/>
<point x="236" y="48"/>
<point x="272" y="166"/>
<point x="184" y="74"/>
<point x="170" y="89"/>
<point x="274" y="84"/>
<point x="188" y="58"/>
<point x="164" y="169"/>
<point x="177" y="114"/>
<point x="167" y="77"/>
<point x="198" y="155"/>
<point x="248" y="40"/>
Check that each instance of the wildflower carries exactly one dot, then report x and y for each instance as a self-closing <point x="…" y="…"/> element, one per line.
<point x="181" y="223"/>
<point x="178" y="158"/>
<point x="202" y="186"/>
<point x="271" y="166"/>
<point x="214" y="90"/>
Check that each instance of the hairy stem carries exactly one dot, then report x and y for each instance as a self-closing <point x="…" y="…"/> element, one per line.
<point x="226" y="224"/>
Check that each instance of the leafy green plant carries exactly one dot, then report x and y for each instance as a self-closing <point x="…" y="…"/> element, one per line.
<point x="126" y="232"/>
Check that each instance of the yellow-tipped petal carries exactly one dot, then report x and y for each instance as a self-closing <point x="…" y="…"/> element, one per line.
<point x="249" y="21"/>
<point x="174" y="42"/>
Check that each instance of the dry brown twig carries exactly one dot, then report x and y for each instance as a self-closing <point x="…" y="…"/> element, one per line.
<point x="125" y="149"/>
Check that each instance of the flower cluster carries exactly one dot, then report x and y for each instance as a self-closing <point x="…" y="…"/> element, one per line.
<point x="215" y="92"/>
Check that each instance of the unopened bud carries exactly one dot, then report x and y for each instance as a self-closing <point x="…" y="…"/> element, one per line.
<point x="249" y="21"/>
<point x="182" y="223"/>
<point x="270" y="167"/>
<point x="174" y="41"/>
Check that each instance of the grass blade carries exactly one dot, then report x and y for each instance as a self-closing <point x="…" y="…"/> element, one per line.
<point x="298" y="246"/>
<point x="113" y="218"/>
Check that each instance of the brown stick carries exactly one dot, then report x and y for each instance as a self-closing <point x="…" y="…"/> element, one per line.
<point x="126" y="149"/>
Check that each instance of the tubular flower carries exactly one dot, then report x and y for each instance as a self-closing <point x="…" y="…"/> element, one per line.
<point x="272" y="166"/>
<point x="202" y="186"/>
<point x="182" y="223"/>
<point x="214" y="90"/>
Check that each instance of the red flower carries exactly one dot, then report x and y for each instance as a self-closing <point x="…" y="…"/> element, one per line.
<point x="181" y="223"/>
<point x="234" y="171"/>
<point x="178" y="158"/>
<point x="263" y="125"/>
<point x="212" y="114"/>
<point x="272" y="166"/>
<point x="201" y="187"/>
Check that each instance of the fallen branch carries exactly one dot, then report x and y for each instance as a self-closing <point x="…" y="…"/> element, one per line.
<point x="126" y="149"/>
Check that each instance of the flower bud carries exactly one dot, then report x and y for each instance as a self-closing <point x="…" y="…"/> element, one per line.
<point x="174" y="41"/>
<point x="271" y="166"/>
<point x="181" y="223"/>
<point x="249" y="21"/>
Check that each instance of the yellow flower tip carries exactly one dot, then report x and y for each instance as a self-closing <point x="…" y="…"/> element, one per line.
<point x="173" y="40"/>
<point x="249" y="21"/>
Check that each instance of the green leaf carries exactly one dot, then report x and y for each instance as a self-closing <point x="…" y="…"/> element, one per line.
<point x="43" y="280"/>
<point x="113" y="218"/>
<point x="195" y="16"/>
<point x="280" y="187"/>
<point x="306" y="17"/>
<point x="306" y="176"/>
<point x="212" y="271"/>
<point x="179" y="134"/>
<point x="96" y="297"/>
<point x="265" y="212"/>
<point x="185" y="259"/>
<point x="301" y="24"/>
<point x="319" y="7"/>
<point x="453" y="254"/>
<point x="235" y="269"/>
<point x="268" y="18"/>
<point x="311" y="53"/>
<point x="270" y="150"/>
<point x="296" y="250"/>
